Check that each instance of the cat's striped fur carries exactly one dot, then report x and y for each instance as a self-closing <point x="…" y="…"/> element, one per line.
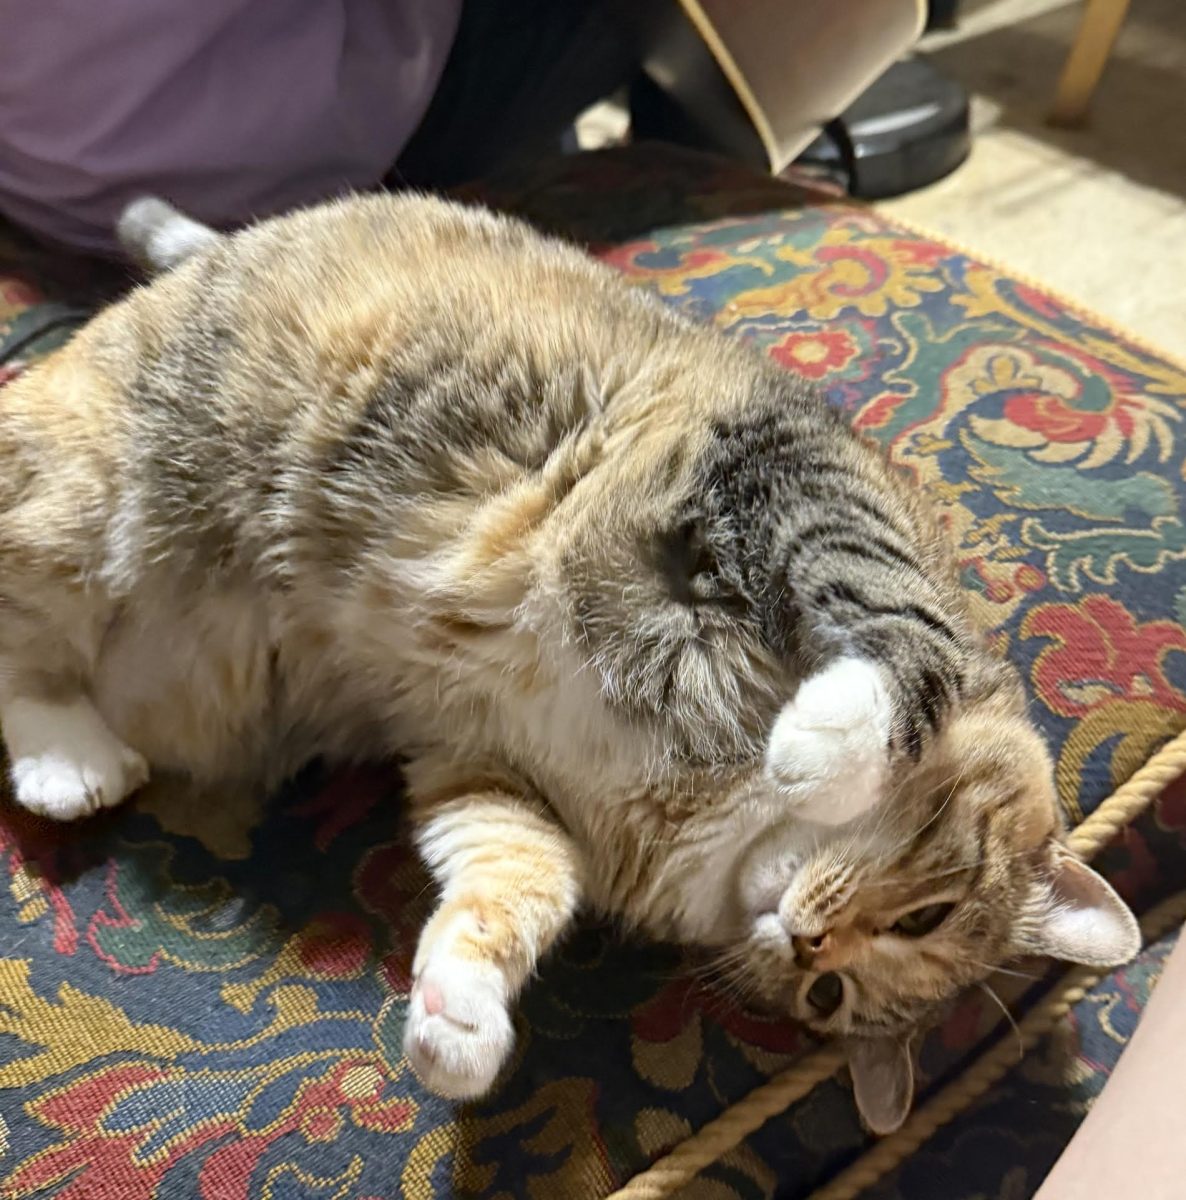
<point x="654" y="629"/>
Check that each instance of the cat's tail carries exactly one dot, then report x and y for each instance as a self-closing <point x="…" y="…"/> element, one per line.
<point x="159" y="237"/>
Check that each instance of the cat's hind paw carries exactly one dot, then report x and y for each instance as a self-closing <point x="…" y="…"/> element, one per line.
<point x="458" y="1032"/>
<point x="828" y="750"/>
<point x="65" y="762"/>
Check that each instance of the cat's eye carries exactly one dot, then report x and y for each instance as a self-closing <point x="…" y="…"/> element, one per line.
<point x="826" y="994"/>
<point x="922" y="921"/>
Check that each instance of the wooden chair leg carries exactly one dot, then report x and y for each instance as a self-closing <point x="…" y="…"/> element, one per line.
<point x="1085" y="64"/>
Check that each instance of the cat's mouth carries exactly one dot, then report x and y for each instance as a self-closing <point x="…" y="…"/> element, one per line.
<point x="766" y="869"/>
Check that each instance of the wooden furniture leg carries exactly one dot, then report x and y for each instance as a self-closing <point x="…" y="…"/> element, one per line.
<point x="1085" y="64"/>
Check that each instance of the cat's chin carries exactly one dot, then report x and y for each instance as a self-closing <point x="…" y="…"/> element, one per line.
<point x="766" y="871"/>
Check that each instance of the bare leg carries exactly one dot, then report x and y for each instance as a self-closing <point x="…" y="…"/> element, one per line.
<point x="1131" y="1141"/>
<point x="510" y="882"/>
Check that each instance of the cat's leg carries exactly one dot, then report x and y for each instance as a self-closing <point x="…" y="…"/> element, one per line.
<point x="510" y="881"/>
<point x="828" y="752"/>
<point x="64" y="761"/>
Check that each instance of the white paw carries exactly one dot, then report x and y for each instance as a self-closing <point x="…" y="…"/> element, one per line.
<point x="828" y="748"/>
<point x="158" y="235"/>
<point x="458" y="1032"/>
<point x="66" y="763"/>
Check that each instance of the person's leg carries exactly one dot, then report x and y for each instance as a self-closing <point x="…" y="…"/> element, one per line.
<point x="1131" y="1140"/>
<point x="518" y="75"/>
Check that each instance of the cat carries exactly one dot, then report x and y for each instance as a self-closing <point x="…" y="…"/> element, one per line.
<point x="653" y="629"/>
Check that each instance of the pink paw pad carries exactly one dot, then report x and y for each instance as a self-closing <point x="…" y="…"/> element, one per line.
<point x="434" y="1001"/>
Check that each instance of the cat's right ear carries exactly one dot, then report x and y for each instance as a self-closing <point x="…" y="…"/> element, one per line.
<point x="1080" y="918"/>
<point x="882" y="1081"/>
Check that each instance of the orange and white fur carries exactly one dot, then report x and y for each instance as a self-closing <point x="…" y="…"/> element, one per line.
<point x="655" y="632"/>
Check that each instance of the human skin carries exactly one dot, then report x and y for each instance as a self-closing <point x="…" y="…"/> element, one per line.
<point x="1131" y="1141"/>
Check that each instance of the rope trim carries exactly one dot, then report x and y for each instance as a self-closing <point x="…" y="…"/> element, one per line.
<point x="747" y="1115"/>
<point x="723" y="1133"/>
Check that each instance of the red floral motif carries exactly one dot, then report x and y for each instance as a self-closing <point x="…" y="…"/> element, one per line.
<point x="691" y="263"/>
<point x="345" y="800"/>
<point x="117" y="918"/>
<point x="998" y="583"/>
<point x="106" y="1153"/>
<point x="1057" y="421"/>
<point x="1171" y="806"/>
<point x="1100" y="655"/>
<point x="879" y="411"/>
<point x="1067" y="406"/>
<point x="667" y="1015"/>
<point x="815" y="353"/>
<point x="334" y="945"/>
<point x="919" y="253"/>
<point x="29" y="848"/>
<point x="391" y="883"/>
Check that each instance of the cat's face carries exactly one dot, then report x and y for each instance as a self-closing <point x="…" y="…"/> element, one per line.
<point x="867" y="930"/>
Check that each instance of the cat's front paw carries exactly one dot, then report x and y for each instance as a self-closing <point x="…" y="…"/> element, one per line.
<point x="458" y="1032"/>
<point x="828" y="750"/>
<point x="66" y="763"/>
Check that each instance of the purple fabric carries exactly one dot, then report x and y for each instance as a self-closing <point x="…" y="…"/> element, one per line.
<point x="232" y="109"/>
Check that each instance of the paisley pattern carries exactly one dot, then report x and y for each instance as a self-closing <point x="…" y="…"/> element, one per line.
<point x="202" y="996"/>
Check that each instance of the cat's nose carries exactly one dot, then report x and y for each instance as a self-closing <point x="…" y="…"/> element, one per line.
<point x="808" y="949"/>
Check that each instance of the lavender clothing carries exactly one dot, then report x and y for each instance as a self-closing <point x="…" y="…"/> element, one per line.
<point x="232" y="109"/>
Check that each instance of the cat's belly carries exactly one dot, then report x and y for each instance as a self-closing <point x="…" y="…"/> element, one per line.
<point x="190" y="686"/>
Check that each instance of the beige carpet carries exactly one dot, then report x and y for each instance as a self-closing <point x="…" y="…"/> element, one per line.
<point x="1097" y="213"/>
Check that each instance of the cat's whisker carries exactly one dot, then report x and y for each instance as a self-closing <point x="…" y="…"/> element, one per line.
<point x="908" y="838"/>
<point x="988" y="991"/>
<point x="999" y="970"/>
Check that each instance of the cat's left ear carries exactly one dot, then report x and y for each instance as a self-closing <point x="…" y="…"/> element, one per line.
<point x="1082" y="919"/>
<point x="882" y="1081"/>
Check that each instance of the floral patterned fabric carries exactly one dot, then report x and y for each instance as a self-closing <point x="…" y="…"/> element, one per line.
<point x="203" y="996"/>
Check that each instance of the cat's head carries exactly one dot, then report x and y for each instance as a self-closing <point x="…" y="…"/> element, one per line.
<point x="868" y="930"/>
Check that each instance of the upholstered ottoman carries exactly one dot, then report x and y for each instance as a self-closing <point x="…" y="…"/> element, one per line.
<point x="202" y="995"/>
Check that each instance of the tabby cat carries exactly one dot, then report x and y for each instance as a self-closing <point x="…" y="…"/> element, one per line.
<point x="654" y="630"/>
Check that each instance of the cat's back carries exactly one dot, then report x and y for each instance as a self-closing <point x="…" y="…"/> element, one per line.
<point x="315" y="344"/>
<point x="373" y="275"/>
<point x="302" y="325"/>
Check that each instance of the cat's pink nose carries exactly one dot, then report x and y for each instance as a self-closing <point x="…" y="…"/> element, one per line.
<point x="808" y="949"/>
